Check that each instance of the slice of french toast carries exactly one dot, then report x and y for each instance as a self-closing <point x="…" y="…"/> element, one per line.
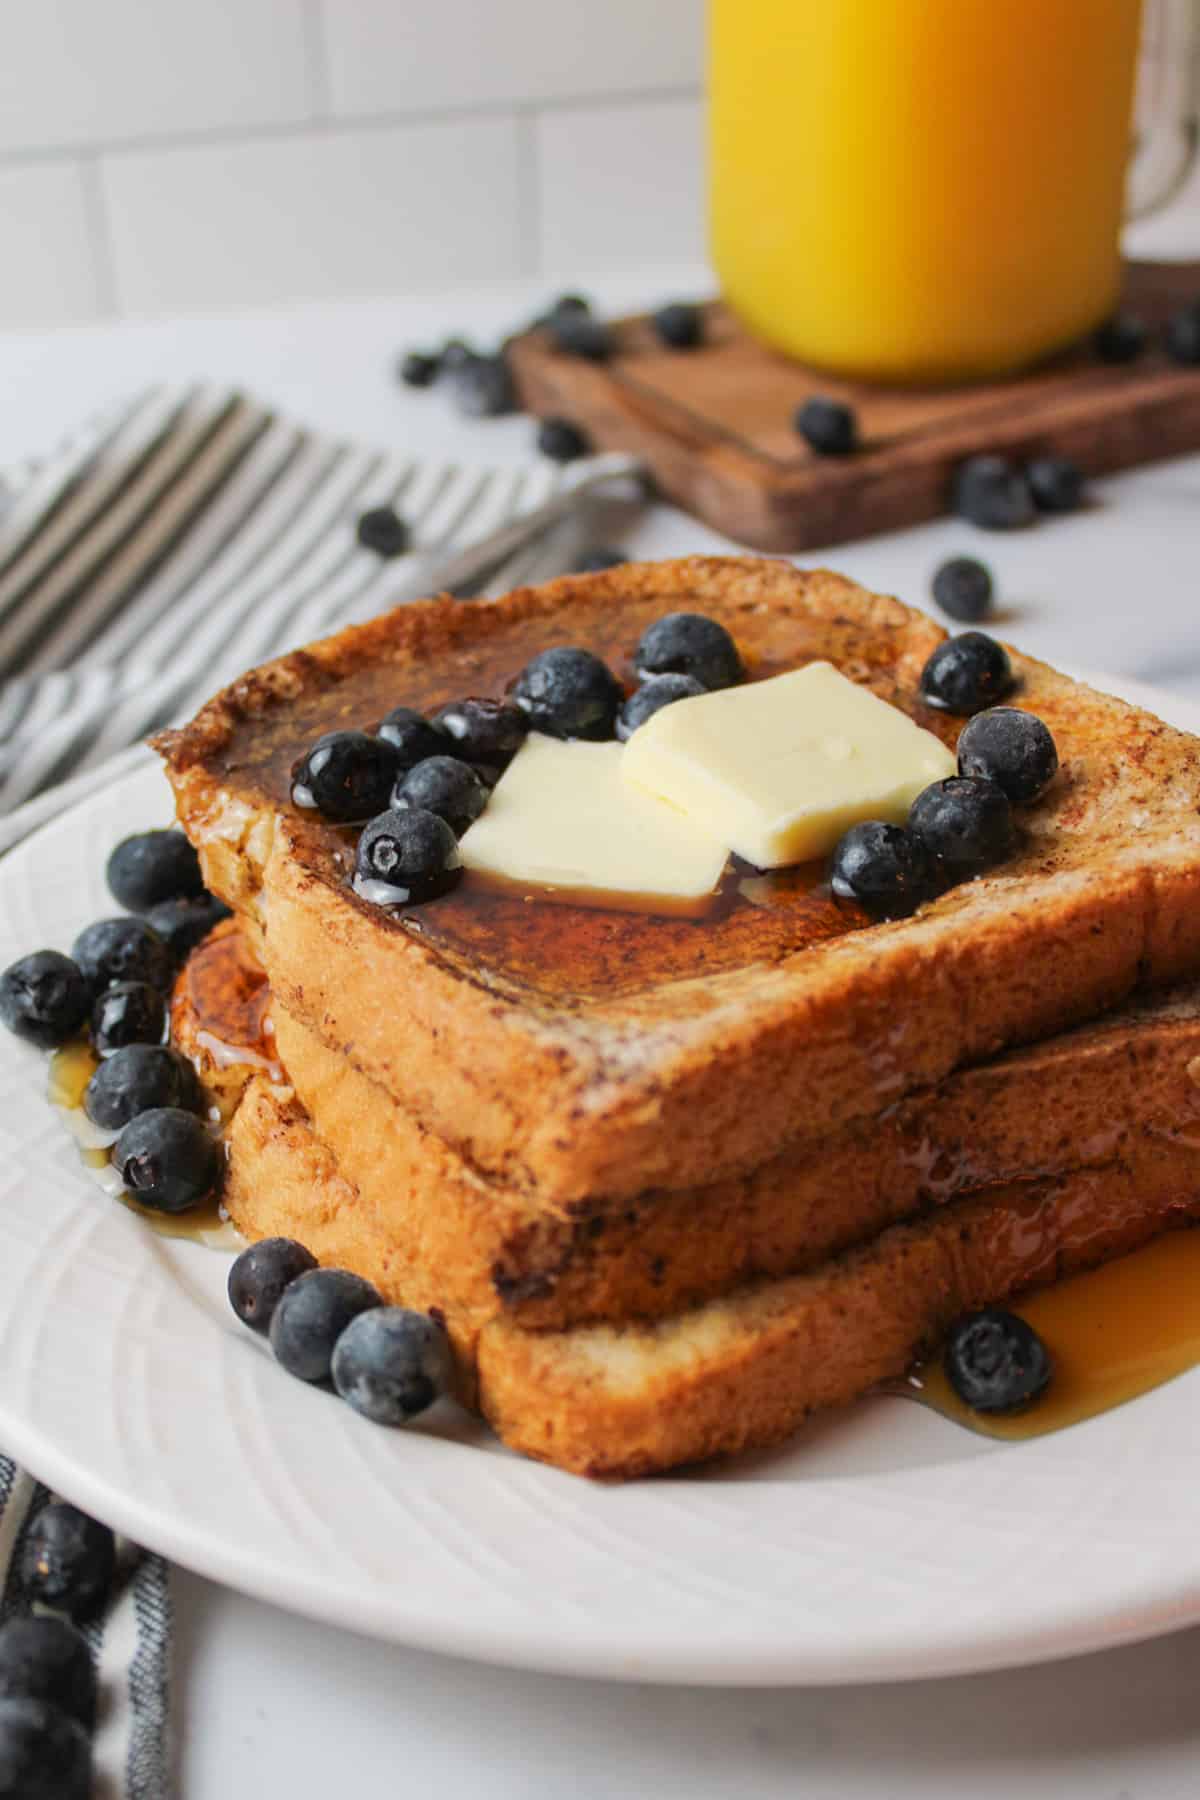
<point x="741" y="1370"/>
<point x="578" y="1053"/>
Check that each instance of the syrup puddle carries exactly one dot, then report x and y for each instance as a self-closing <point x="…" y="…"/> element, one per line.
<point x="1114" y="1333"/>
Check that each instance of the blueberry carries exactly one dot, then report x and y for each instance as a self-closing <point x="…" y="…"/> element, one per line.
<point x="561" y="441"/>
<point x="881" y="867"/>
<point x="405" y="857"/>
<point x="312" y="1314"/>
<point x="153" y="866"/>
<point x="689" y="644"/>
<point x="827" y="426"/>
<point x="966" y="673"/>
<point x="579" y="334"/>
<point x="382" y="530"/>
<point x="568" y="694"/>
<point x="454" y="355"/>
<point x="45" y="1658"/>
<point x="129" y="1012"/>
<point x="167" y="1160"/>
<point x="445" y="786"/>
<point x="593" y="562"/>
<point x="962" y="587"/>
<point x="993" y="493"/>
<point x="680" y="325"/>
<point x="390" y="1364"/>
<point x="44" y="1754"/>
<point x="346" y="776"/>
<point x="137" y="1078"/>
<point x="483" y="731"/>
<point x="418" y="369"/>
<point x="995" y="1362"/>
<point x="569" y="303"/>
<point x="182" y="924"/>
<point x="964" y="825"/>
<point x="259" y="1276"/>
<point x="1120" y="339"/>
<point x="1056" y="483"/>
<point x="67" y="1561"/>
<point x="651" y="697"/>
<point x="483" y="389"/>
<point x="1012" y="748"/>
<point x="123" y="950"/>
<point x="44" y="998"/>
<point x="411" y="736"/>
<point x="1182" y="336"/>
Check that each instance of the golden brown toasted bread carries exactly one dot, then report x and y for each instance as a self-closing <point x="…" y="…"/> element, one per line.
<point x="576" y="1053"/>
<point x="741" y="1370"/>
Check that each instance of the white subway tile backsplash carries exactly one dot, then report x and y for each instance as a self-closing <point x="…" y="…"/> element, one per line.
<point x="96" y="71"/>
<point x="398" y="55"/>
<point x="621" y="184"/>
<point x="49" y="275"/>
<point x="310" y="215"/>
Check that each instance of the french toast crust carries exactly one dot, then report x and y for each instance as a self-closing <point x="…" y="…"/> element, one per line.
<point x="679" y="1081"/>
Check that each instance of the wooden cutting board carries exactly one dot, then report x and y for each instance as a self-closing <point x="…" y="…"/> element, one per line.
<point x="714" y="424"/>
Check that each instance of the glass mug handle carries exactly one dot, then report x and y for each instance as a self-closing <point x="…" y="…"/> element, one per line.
<point x="1167" y="106"/>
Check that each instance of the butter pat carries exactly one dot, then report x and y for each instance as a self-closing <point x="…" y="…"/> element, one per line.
<point x="779" y="769"/>
<point x="561" y="819"/>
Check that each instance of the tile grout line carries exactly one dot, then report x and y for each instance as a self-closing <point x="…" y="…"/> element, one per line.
<point x="99" y="230"/>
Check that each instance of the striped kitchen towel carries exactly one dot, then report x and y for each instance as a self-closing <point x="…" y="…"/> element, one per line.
<point x="181" y="539"/>
<point x="130" y="1646"/>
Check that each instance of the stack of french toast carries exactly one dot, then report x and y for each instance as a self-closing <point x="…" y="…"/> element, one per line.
<point x="673" y="1184"/>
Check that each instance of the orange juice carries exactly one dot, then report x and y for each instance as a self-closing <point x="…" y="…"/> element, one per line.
<point x="919" y="190"/>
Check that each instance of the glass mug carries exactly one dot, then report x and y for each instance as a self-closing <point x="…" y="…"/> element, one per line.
<point x="932" y="190"/>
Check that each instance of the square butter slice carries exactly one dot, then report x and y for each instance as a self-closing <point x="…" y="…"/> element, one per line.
<point x="779" y="769"/>
<point x="562" y="820"/>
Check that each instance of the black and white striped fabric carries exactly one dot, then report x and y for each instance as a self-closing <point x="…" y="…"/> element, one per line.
<point x="181" y="539"/>
<point x="130" y="1646"/>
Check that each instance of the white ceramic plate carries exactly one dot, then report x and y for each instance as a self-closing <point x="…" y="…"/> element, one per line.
<point x="885" y="1544"/>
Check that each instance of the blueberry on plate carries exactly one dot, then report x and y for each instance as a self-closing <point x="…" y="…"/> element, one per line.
<point x="579" y="334"/>
<point x="993" y="493"/>
<point x="484" y="389"/>
<point x="412" y="736"/>
<point x="964" y="825"/>
<point x="651" y="697"/>
<point x="568" y="694"/>
<point x="405" y="857"/>
<point x="151" y="866"/>
<point x="1120" y="339"/>
<point x="137" y="1078"/>
<point x="995" y="1362"/>
<point x="312" y="1313"/>
<point x="182" y="924"/>
<point x="680" y="325"/>
<point x="418" y="368"/>
<point x="1012" y="748"/>
<point x="882" y="868"/>
<point x="44" y="1753"/>
<point x="382" y="530"/>
<point x="129" y="1012"/>
<point x="455" y="354"/>
<point x="123" y="950"/>
<point x="445" y="786"/>
<point x="346" y="776"/>
<point x="391" y="1364"/>
<point x="46" y="1658"/>
<point x="962" y="587"/>
<point x="1182" y="337"/>
<point x="44" y="998"/>
<point x="595" y="561"/>
<point x="1056" y="483"/>
<point x="259" y="1276"/>
<point x="561" y="441"/>
<point x="966" y="673"/>
<point x="167" y="1160"/>
<point x="827" y="426"/>
<point x="67" y="1561"/>
<point x="482" y="731"/>
<point x="683" y="643"/>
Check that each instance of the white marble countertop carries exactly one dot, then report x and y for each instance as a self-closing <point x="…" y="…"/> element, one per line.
<point x="271" y="1705"/>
